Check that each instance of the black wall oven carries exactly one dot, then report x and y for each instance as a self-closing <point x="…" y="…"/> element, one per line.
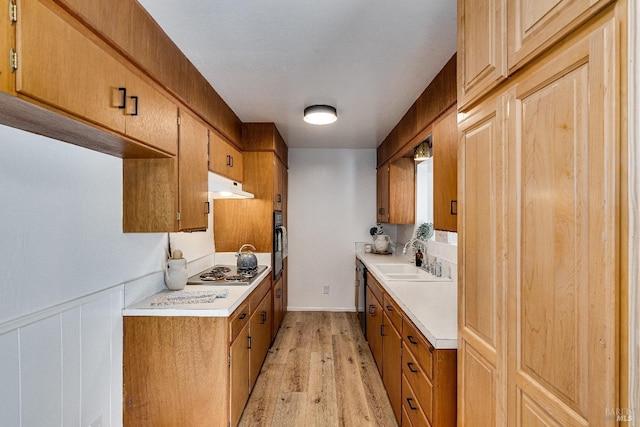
<point x="278" y="243"/>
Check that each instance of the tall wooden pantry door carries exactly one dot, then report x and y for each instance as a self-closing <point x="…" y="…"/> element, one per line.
<point x="562" y="232"/>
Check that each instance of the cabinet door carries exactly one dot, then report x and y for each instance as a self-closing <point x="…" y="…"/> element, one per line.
<point x="374" y="322"/>
<point x="382" y="193"/>
<point x="402" y="191"/>
<point x="60" y="65"/>
<point x="277" y="307"/>
<point x="192" y="169"/>
<point x="481" y="246"/>
<point x="278" y="188"/>
<point x="534" y="24"/>
<point x="260" y="325"/>
<point x="239" y="356"/>
<point x="392" y="364"/>
<point x="151" y="116"/>
<point x="445" y="172"/>
<point x="482" y="48"/>
<point x="224" y="159"/>
<point x="563" y="234"/>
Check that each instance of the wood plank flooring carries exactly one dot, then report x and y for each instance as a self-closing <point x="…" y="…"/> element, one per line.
<point x="319" y="372"/>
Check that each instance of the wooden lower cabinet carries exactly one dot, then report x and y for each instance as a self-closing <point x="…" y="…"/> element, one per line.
<point x="392" y="363"/>
<point x="260" y="327"/>
<point x="374" y="322"/>
<point x="421" y="381"/>
<point x="411" y="406"/>
<point x="239" y="354"/>
<point x="278" y="306"/>
<point x="195" y="371"/>
<point x="174" y="371"/>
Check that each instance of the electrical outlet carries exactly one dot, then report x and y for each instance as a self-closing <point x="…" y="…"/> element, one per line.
<point x="325" y="289"/>
<point x="97" y="422"/>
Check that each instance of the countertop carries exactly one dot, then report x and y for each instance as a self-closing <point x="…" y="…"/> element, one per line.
<point x="221" y="307"/>
<point x="431" y="306"/>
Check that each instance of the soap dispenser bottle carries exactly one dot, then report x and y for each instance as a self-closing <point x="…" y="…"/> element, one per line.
<point x="419" y="257"/>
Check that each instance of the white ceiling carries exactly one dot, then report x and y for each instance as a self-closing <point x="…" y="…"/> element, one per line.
<point x="269" y="59"/>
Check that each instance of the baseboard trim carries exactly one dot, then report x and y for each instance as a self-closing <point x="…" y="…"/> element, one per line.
<point x="334" y="309"/>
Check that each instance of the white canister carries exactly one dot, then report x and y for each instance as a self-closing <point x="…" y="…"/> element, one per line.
<point x="175" y="275"/>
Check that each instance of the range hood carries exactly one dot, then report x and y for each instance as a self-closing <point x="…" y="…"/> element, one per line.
<point x="225" y="188"/>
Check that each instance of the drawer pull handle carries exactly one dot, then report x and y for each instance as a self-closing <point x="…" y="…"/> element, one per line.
<point x="243" y="316"/>
<point x="264" y="317"/>
<point x="410" y="402"/>
<point x="454" y="207"/>
<point x="389" y="308"/>
<point x="411" y="368"/>
<point x="123" y="104"/>
<point x="411" y="340"/>
<point x="382" y="330"/>
<point x="249" y="341"/>
<point x="372" y="310"/>
<point x="135" y="105"/>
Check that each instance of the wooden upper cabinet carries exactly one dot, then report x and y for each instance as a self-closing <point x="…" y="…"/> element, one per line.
<point x="382" y="194"/>
<point x="194" y="204"/>
<point x="151" y="116"/>
<point x="533" y="25"/>
<point x="224" y="158"/>
<point x="65" y="67"/>
<point x="168" y="195"/>
<point x="60" y="66"/>
<point x="482" y="48"/>
<point x="279" y="187"/>
<point x="396" y="192"/>
<point x="445" y="172"/>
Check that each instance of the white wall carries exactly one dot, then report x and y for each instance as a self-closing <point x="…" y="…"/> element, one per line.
<point x="65" y="266"/>
<point x="332" y="203"/>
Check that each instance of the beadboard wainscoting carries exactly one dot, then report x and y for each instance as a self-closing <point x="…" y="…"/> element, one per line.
<point x="63" y="366"/>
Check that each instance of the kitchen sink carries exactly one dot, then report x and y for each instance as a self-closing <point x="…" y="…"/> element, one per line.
<point x="407" y="273"/>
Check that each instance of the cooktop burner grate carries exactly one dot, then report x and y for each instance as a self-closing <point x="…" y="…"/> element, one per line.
<point x="223" y="274"/>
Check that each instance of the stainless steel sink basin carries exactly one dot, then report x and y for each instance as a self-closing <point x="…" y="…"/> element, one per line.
<point x="407" y="273"/>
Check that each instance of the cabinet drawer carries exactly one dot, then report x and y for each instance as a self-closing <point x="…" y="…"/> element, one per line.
<point x="419" y="346"/>
<point x="411" y="407"/>
<point x="375" y="287"/>
<point x="239" y="319"/>
<point x="393" y="312"/>
<point x="420" y="384"/>
<point x="256" y="296"/>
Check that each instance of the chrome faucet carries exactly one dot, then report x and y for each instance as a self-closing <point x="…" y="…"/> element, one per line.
<point x="415" y="239"/>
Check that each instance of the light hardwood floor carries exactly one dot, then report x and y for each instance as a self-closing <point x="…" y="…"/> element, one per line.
<point x="319" y="372"/>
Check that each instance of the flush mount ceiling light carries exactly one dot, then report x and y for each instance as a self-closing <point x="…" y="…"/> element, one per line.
<point x="320" y="114"/>
<point x="424" y="150"/>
